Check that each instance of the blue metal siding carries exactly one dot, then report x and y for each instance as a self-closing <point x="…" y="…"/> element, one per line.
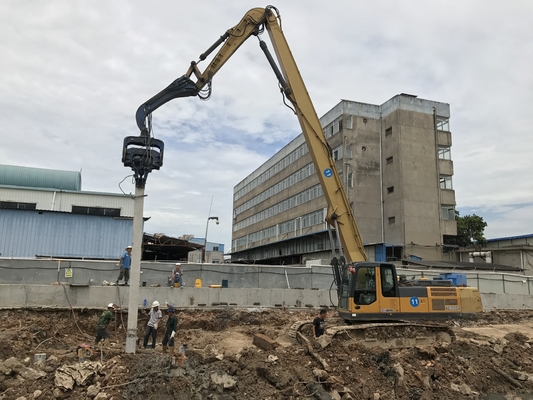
<point x="209" y="245"/>
<point x="31" y="233"/>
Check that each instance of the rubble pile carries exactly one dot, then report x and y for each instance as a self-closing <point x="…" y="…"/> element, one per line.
<point x="252" y="354"/>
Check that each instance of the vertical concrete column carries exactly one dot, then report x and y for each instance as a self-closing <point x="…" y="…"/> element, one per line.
<point x="135" y="273"/>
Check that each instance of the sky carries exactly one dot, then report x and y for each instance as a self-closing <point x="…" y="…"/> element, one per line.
<point x="73" y="74"/>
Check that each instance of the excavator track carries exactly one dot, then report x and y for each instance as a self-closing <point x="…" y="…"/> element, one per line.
<point x="387" y="335"/>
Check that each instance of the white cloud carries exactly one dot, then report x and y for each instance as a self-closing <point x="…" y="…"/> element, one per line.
<point x="74" y="73"/>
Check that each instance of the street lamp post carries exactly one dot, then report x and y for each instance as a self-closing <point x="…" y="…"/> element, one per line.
<point x="205" y="239"/>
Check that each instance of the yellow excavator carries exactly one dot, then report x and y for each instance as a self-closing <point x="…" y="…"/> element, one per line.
<point x="367" y="290"/>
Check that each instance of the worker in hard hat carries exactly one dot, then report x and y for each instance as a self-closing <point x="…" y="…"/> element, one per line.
<point x="101" y="326"/>
<point x="154" y="316"/>
<point x="177" y="276"/>
<point x="125" y="266"/>
<point x="170" y="332"/>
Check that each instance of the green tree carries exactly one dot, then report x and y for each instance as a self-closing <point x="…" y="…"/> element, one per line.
<point x="470" y="229"/>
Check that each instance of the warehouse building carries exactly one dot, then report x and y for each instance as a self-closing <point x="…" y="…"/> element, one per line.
<point x="44" y="213"/>
<point x="395" y="162"/>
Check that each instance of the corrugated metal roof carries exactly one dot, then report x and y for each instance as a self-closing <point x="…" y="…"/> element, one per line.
<point x="29" y="233"/>
<point x="460" y="265"/>
<point x="13" y="175"/>
<point x="511" y="238"/>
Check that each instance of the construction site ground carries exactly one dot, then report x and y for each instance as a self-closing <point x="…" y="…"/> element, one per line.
<point x="256" y="354"/>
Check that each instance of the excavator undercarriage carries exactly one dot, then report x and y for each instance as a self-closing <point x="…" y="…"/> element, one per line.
<point x="386" y="335"/>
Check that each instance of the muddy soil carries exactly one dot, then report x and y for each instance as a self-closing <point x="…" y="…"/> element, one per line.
<point x="491" y="354"/>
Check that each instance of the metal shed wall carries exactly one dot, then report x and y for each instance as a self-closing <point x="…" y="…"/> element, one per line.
<point x="55" y="200"/>
<point x="14" y="175"/>
<point x="30" y="233"/>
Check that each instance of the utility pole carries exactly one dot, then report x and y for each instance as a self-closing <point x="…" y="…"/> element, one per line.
<point x="205" y="238"/>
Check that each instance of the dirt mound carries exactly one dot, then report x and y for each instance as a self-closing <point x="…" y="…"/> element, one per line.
<point x="222" y="362"/>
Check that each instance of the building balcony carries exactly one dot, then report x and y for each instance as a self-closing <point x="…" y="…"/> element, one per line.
<point x="447" y="196"/>
<point x="446" y="167"/>
<point x="449" y="227"/>
<point x="444" y="138"/>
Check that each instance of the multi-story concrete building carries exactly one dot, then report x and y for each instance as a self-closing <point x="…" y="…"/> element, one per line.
<point x="394" y="160"/>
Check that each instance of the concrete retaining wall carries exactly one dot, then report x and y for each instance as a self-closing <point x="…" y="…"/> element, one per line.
<point x="63" y="296"/>
<point x="46" y="271"/>
<point x="26" y="283"/>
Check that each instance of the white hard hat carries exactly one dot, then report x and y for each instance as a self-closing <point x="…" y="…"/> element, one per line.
<point x="110" y="305"/>
<point x="155" y="304"/>
<point x="129" y="247"/>
<point x="178" y="263"/>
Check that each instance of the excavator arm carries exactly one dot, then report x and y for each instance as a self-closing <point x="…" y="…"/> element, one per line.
<point x="251" y="24"/>
<point x="198" y="83"/>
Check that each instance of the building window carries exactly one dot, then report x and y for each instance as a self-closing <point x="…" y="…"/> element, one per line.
<point x="215" y="248"/>
<point x="390" y="189"/>
<point x="349" y="122"/>
<point x="17" y="206"/>
<point x="349" y="151"/>
<point x="350" y="179"/>
<point x="443" y="124"/>
<point x="388" y="131"/>
<point x="337" y="153"/>
<point x="448" y="212"/>
<point x="392" y="220"/>
<point x="340" y="124"/>
<point x="107" y="212"/>
<point x="445" y="182"/>
<point x="389" y="160"/>
<point x="445" y="153"/>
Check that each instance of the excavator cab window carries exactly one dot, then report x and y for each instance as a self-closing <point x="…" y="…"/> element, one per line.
<point x="345" y="288"/>
<point x="365" y="285"/>
<point x="388" y="280"/>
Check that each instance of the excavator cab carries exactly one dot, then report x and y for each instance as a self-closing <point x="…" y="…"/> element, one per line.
<point x="364" y="287"/>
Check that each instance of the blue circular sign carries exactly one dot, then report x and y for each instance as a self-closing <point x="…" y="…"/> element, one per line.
<point x="414" y="301"/>
<point x="328" y="173"/>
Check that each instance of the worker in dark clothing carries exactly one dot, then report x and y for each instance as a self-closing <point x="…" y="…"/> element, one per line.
<point x="101" y="326"/>
<point x="170" y="332"/>
<point x="318" y="324"/>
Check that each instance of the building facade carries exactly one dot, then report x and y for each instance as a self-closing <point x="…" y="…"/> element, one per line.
<point x="214" y="252"/>
<point x="395" y="162"/>
<point x="515" y="251"/>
